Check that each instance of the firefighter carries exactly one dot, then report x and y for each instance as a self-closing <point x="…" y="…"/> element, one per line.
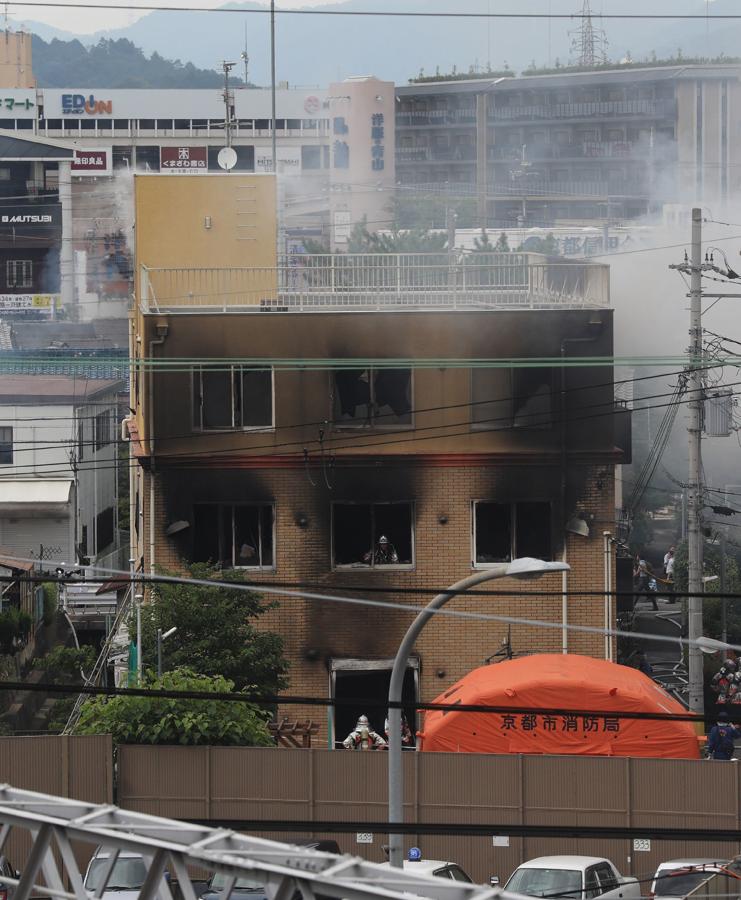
<point x="363" y="737"/>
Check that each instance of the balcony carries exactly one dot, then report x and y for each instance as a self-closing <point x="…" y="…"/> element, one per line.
<point x="566" y="189"/>
<point x="462" y="153"/>
<point x="435" y="117"/>
<point x="379" y="282"/>
<point x="607" y="109"/>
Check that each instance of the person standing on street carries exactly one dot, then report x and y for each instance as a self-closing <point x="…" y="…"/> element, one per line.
<point x="721" y="738"/>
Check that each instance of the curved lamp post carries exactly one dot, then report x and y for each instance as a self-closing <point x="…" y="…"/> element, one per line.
<point x="518" y="568"/>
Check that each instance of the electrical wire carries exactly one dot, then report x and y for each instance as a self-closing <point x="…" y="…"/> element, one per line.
<point x="56" y="4"/>
<point x="142" y="579"/>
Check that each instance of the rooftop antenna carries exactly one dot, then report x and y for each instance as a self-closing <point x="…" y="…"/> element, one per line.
<point x="588" y="43"/>
<point x="245" y="58"/>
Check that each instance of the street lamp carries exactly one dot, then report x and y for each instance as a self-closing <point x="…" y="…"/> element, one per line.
<point x="518" y="568"/>
<point x="162" y="637"/>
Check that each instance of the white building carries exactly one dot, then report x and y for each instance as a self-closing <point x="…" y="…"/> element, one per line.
<point x="58" y="466"/>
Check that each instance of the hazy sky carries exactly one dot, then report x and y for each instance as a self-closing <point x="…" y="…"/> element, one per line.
<point x="85" y="21"/>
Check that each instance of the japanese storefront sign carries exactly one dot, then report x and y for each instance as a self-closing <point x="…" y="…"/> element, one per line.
<point x="183" y="160"/>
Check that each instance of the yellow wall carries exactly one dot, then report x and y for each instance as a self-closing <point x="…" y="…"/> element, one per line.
<point x="189" y="222"/>
<point x="171" y="213"/>
<point x="15" y="60"/>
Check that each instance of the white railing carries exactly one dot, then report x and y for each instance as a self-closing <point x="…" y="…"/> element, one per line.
<point x="364" y="281"/>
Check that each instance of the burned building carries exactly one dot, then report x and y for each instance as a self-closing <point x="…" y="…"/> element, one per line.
<point x="289" y="417"/>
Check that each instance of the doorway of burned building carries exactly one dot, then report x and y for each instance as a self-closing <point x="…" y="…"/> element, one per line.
<point x="361" y="687"/>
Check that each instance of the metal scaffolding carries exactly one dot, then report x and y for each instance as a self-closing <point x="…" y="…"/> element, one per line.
<point x="170" y="846"/>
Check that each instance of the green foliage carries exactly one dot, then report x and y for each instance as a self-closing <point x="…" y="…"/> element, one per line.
<point x="415" y="240"/>
<point x="51" y="602"/>
<point x="215" y="632"/>
<point x="15" y="627"/>
<point x="155" y="720"/>
<point x="461" y="76"/>
<point x="712" y="606"/>
<point x="502" y="244"/>
<point x="114" y="64"/>
<point x="65" y="665"/>
<point x="547" y="245"/>
<point x="483" y="244"/>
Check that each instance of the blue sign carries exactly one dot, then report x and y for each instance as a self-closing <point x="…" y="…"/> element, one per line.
<point x="414" y="855"/>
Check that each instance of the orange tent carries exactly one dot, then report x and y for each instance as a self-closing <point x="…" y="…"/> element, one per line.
<point x="564" y="682"/>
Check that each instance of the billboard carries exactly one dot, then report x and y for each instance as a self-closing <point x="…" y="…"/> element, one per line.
<point x="183" y="160"/>
<point x="288" y="160"/>
<point x="92" y="162"/>
<point x="47" y="303"/>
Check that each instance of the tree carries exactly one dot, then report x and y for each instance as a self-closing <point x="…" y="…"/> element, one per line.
<point x="156" y="720"/>
<point x="413" y="240"/>
<point x="65" y="665"/>
<point x="502" y="244"/>
<point x="483" y="244"/>
<point x="216" y="634"/>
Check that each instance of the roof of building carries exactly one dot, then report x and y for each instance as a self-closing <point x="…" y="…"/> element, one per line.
<point x="39" y="491"/>
<point x="105" y="334"/>
<point x="7" y="561"/>
<point x="32" y="148"/>
<point x="24" y="389"/>
<point x="567" y="79"/>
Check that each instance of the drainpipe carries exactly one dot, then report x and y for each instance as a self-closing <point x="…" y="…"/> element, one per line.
<point x="564" y="514"/>
<point x="66" y="252"/>
<point x="155" y="342"/>
<point x="607" y="538"/>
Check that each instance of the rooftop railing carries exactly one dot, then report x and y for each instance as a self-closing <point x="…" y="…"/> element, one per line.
<point x="382" y="282"/>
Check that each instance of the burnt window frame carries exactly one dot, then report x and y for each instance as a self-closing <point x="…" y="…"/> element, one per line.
<point x="372" y="566"/>
<point x="196" y="399"/>
<point x="509" y="422"/>
<point x="6" y="446"/>
<point x="370" y="423"/>
<point x="259" y="505"/>
<point x="512" y="504"/>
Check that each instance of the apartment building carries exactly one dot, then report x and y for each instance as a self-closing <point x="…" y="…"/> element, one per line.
<point x="546" y="149"/>
<point x="58" y="467"/>
<point x="289" y="414"/>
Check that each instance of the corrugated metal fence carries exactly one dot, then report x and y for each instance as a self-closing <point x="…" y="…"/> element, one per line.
<point x="80" y="767"/>
<point x="223" y="783"/>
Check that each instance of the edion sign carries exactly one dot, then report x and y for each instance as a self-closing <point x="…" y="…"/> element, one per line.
<point x="78" y="105"/>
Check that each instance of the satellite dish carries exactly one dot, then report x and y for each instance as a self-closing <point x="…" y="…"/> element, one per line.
<point x="227" y="158"/>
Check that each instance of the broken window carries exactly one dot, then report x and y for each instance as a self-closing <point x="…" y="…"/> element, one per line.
<point x="359" y="529"/>
<point x="234" y="535"/>
<point x="506" y="531"/>
<point x="512" y="398"/>
<point x="232" y="397"/>
<point x="372" y="397"/>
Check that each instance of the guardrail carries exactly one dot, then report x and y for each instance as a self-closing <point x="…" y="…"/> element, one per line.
<point x="327" y="282"/>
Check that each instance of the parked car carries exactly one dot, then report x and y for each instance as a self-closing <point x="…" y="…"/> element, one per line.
<point x="438" y="867"/>
<point x="677" y="877"/>
<point x="246" y="888"/>
<point x="572" y="878"/>
<point x="7" y="871"/>
<point x="126" y="878"/>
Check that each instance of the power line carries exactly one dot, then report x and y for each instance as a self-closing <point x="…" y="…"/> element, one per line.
<point x="56" y="4"/>
<point x="143" y="579"/>
<point x="325" y="445"/>
<point x="291" y="700"/>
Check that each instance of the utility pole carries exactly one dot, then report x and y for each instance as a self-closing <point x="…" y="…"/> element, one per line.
<point x="694" y="486"/>
<point x="723" y="598"/>
<point x="227" y="67"/>
<point x="272" y="84"/>
<point x="245" y="58"/>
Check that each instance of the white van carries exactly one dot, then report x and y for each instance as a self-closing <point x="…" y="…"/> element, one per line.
<point x="677" y="877"/>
